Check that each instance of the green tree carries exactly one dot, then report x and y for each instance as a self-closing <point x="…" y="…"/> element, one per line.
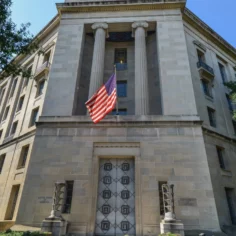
<point x="13" y="42"/>
<point x="232" y="86"/>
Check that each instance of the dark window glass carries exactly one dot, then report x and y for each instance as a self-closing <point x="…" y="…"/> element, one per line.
<point x="34" y="116"/>
<point x="26" y="80"/>
<point x="121" y="112"/>
<point x="162" y="210"/>
<point x="122" y="88"/>
<point x="230" y="196"/>
<point x="47" y="57"/>
<point x="68" y="196"/>
<point x="222" y="72"/>
<point x="14" y="127"/>
<point x="2" y="159"/>
<point x="206" y="88"/>
<point x="13" y="88"/>
<point x="40" y="87"/>
<point x="229" y="102"/>
<point x="200" y="55"/>
<point x="6" y="113"/>
<point x="23" y="156"/>
<point x="234" y="125"/>
<point x="0" y="134"/>
<point x="2" y="95"/>
<point x="21" y="101"/>
<point x="121" y="58"/>
<point x="220" y="157"/>
<point x="211" y="115"/>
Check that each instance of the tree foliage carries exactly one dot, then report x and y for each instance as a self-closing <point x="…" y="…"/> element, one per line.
<point x="13" y="42"/>
<point x="232" y="86"/>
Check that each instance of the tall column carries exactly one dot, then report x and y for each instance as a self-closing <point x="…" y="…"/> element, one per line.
<point x="141" y="75"/>
<point x="97" y="71"/>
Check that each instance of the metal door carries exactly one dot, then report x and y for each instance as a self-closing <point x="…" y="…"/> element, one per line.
<point x="116" y="198"/>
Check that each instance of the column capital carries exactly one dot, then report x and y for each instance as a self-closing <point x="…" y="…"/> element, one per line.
<point x="99" y="25"/>
<point x="142" y="24"/>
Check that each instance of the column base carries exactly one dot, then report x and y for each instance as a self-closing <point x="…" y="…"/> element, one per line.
<point x="174" y="227"/>
<point x="57" y="226"/>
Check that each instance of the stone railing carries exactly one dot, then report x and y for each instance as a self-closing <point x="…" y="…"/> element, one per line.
<point x="45" y="66"/>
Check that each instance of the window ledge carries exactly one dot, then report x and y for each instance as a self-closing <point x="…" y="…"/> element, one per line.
<point x="20" y="167"/>
<point x="38" y="97"/>
<point x="209" y="98"/>
<point x="224" y="172"/>
<point x="18" y="112"/>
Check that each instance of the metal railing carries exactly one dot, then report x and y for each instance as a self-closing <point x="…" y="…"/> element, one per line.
<point x="205" y="66"/>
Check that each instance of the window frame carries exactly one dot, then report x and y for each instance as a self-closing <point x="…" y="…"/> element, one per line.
<point x="212" y="117"/>
<point x="222" y="68"/>
<point x="13" y="88"/>
<point x="209" y="91"/>
<point x="201" y="55"/>
<point x="221" y="156"/>
<point x="32" y="115"/>
<point x="14" y="127"/>
<point x="19" y="108"/>
<point x="2" y="161"/>
<point x="40" y="91"/>
<point x="120" y="82"/>
<point x="113" y="112"/>
<point x="23" y="156"/>
<point x="6" y="112"/>
<point x="231" y="209"/>
<point x="68" y="198"/>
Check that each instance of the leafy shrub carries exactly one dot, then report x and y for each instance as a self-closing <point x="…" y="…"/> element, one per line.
<point x="169" y="234"/>
<point x="26" y="233"/>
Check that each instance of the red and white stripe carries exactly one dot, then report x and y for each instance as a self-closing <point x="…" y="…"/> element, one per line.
<point x="100" y="104"/>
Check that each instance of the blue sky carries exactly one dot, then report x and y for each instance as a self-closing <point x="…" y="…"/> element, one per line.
<point x="218" y="14"/>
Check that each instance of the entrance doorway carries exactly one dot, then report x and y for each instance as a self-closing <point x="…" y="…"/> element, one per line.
<point x="116" y="198"/>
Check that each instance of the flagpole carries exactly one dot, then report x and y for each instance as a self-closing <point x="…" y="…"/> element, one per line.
<point x="117" y="108"/>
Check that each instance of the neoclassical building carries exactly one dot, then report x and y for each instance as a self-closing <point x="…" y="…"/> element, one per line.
<point x="174" y="123"/>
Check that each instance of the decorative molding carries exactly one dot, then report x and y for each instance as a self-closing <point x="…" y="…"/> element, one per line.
<point x="99" y="25"/>
<point x="142" y="24"/>
<point x="200" y="45"/>
<point x="117" y="144"/>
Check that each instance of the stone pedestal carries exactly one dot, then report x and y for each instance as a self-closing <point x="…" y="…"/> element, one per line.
<point x="175" y="227"/>
<point x="56" y="226"/>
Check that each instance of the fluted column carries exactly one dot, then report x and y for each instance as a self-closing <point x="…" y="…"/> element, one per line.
<point x="97" y="71"/>
<point x="141" y="75"/>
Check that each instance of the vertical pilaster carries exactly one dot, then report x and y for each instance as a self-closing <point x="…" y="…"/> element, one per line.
<point x="141" y="75"/>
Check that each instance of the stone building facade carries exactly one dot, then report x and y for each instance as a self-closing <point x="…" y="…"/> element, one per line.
<point x="174" y="124"/>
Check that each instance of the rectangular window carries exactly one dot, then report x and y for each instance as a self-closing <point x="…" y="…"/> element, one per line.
<point x="162" y="210"/>
<point x="68" y="196"/>
<point x="46" y="57"/>
<point x="14" y="127"/>
<point x="211" y="115"/>
<point x="206" y="88"/>
<point x="230" y="196"/>
<point x="234" y="125"/>
<point x="2" y="95"/>
<point x="13" y="88"/>
<point x="1" y="133"/>
<point x="121" y="58"/>
<point x="121" y="112"/>
<point x="23" y="156"/>
<point x="12" y="202"/>
<point x="122" y="88"/>
<point x="40" y="88"/>
<point x="2" y="159"/>
<point x="220" y="157"/>
<point x="222" y="72"/>
<point x="21" y="101"/>
<point x="229" y="101"/>
<point x="6" y="113"/>
<point x="201" y="56"/>
<point x="34" y="116"/>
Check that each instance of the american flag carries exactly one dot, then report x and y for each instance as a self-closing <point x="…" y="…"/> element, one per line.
<point x="103" y="101"/>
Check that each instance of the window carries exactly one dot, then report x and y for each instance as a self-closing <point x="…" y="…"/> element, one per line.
<point x="34" y="116"/>
<point x="229" y="102"/>
<point x="121" y="58"/>
<point x="220" y="157"/>
<point x="201" y="56"/>
<point x="26" y="80"/>
<point x="211" y="115"/>
<point x="21" y="101"/>
<point x="162" y="210"/>
<point x="222" y="72"/>
<point x="0" y="133"/>
<point x="12" y="202"/>
<point x="2" y="159"/>
<point x="231" y="204"/>
<point x="6" y="113"/>
<point x="14" y="127"/>
<point x="40" y="88"/>
<point x="68" y="196"/>
<point x="23" y="156"/>
<point x="2" y="95"/>
<point x="121" y="112"/>
<point x="207" y="89"/>
<point x="13" y="88"/>
<point x="46" y="57"/>
<point x="122" y="88"/>
<point x="234" y="125"/>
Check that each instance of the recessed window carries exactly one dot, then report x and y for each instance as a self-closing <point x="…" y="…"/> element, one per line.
<point x="201" y="56"/>
<point x="2" y="95"/>
<point x="23" y="156"/>
<point x="2" y="160"/>
<point x="121" y="58"/>
<point x="122" y="88"/>
<point x="68" y="196"/>
<point x="1" y="133"/>
<point x="220" y="154"/>
<point x="6" y="113"/>
<point x="230" y="196"/>
<point x="212" y="117"/>
<point x="34" y="116"/>
<point x="162" y="210"/>
<point x="46" y="57"/>
<point x="40" y="87"/>
<point x="222" y="72"/>
<point x="207" y="88"/>
<point x="14" y="127"/>
<point x="121" y="112"/>
<point x="20" y="105"/>
<point x="13" y="88"/>
<point x="229" y="101"/>
<point x="234" y="125"/>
